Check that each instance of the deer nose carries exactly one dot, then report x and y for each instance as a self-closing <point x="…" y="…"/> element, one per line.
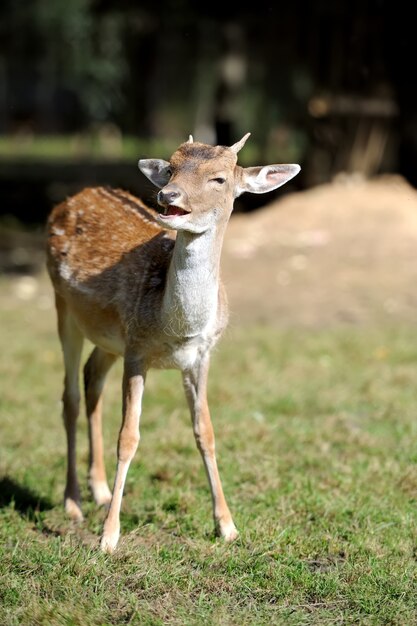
<point x="168" y="196"/>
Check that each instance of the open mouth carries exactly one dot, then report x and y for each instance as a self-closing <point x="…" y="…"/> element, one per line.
<point x="172" y="210"/>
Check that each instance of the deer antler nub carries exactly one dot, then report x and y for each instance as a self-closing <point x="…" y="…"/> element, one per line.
<point x="239" y="145"/>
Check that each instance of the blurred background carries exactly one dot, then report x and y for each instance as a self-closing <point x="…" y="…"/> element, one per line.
<point x="89" y="86"/>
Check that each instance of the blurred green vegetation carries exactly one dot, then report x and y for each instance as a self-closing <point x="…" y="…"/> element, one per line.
<point x="145" y="72"/>
<point x="96" y="146"/>
<point x="74" y="147"/>
<point x="322" y="84"/>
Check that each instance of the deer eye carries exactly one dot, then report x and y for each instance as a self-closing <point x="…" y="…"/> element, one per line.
<point x="168" y="172"/>
<point x="219" y="180"/>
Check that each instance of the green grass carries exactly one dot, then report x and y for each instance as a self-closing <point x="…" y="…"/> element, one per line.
<point x="317" y="446"/>
<point x="72" y="147"/>
<point x="94" y="145"/>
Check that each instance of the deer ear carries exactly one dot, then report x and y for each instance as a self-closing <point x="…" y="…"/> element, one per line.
<point x="266" y="178"/>
<point x="157" y="170"/>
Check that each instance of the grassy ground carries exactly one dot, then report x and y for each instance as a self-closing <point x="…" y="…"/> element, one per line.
<point x="74" y="147"/>
<point x="316" y="438"/>
<point x="107" y="144"/>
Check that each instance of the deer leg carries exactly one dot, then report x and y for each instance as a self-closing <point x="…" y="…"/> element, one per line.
<point x="195" y="385"/>
<point x="95" y="372"/>
<point x="133" y="385"/>
<point x="72" y="342"/>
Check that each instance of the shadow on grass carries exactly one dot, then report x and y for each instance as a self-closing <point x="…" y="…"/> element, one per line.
<point x="24" y="500"/>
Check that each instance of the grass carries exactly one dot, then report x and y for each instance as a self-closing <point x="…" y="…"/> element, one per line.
<point x="101" y="146"/>
<point x="316" y="439"/>
<point x="73" y="147"/>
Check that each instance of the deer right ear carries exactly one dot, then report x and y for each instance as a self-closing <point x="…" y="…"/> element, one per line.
<point x="157" y="170"/>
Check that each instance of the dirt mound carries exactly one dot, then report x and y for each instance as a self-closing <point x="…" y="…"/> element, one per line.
<point x="341" y="252"/>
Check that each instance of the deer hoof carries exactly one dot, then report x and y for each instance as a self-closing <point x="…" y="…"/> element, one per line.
<point x="101" y="493"/>
<point x="109" y="541"/>
<point x="73" y="510"/>
<point x="228" y="531"/>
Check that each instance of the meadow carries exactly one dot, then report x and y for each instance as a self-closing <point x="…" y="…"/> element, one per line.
<point x="317" y="447"/>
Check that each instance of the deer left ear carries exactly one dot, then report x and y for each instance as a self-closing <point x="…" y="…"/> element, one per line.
<point x="265" y="178"/>
<point x="157" y="170"/>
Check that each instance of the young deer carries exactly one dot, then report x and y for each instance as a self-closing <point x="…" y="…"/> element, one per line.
<point x="123" y="281"/>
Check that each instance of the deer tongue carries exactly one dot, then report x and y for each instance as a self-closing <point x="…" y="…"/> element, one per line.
<point x="174" y="210"/>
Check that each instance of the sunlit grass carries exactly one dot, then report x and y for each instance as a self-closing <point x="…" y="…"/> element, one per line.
<point x="317" y="444"/>
<point x="106" y="144"/>
<point x="73" y="147"/>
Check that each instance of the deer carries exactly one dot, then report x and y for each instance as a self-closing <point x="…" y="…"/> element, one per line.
<point x="144" y="284"/>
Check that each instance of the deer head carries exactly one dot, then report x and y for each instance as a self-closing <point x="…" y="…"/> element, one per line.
<point x="200" y="182"/>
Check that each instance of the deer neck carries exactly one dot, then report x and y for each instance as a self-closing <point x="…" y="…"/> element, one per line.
<point x="192" y="289"/>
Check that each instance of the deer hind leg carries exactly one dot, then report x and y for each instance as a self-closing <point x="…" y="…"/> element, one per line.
<point x="133" y="385"/>
<point x="195" y="386"/>
<point x="72" y="342"/>
<point x="95" y="372"/>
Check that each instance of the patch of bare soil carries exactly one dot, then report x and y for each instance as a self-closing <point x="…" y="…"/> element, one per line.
<point x="342" y="252"/>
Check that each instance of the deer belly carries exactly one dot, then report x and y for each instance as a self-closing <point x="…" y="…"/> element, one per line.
<point x="107" y="340"/>
<point x="100" y="326"/>
<point x="178" y="354"/>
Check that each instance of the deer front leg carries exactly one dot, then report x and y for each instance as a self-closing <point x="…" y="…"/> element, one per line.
<point x="95" y="372"/>
<point x="195" y="385"/>
<point x="133" y="384"/>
